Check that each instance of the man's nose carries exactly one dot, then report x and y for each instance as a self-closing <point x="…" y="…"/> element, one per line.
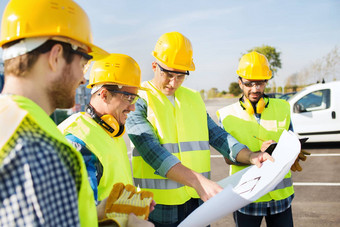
<point x="132" y="107"/>
<point x="255" y="87"/>
<point x="173" y="81"/>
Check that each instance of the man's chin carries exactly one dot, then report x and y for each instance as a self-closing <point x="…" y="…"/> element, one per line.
<point x="65" y="103"/>
<point x="254" y="99"/>
<point x="168" y="93"/>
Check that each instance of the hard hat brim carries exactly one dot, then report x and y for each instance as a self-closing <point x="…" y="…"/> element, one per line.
<point x="97" y="53"/>
<point x="175" y="66"/>
<point x="125" y="85"/>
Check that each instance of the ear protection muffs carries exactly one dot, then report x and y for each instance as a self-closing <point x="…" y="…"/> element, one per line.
<point x="259" y="107"/>
<point x="108" y="122"/>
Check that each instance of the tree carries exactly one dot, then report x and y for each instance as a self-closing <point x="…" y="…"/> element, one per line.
<point x="235" y="89"/>
<point x="326" y="68"/>
<point x="272" y="55"/>
<point x="212" y="93"/>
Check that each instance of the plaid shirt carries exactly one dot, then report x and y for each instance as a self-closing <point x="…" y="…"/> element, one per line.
<point x="144" y="137"/>
<point x="39" y="180"/>
<point x="274" y="206"/>
<point x="93" y="166"/>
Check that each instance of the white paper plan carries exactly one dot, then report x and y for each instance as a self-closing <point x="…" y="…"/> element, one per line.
<point x="247" y="185"/>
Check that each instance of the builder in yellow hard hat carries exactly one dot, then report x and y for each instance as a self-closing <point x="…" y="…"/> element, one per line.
<point x="172" y="131"/>
<point x="44" y="182"/>
<point x="97" y="133"/>
<point x="254" y="119"/>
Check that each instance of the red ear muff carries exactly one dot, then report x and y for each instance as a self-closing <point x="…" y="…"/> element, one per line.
<point x="107" y="122"/>
<point x="248" y="107"/>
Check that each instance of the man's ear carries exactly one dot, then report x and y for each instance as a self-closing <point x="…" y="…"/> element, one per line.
<point x="240" y="84"/>
<point x="154" y="66"/>
<point x="54" y="57"/>
<point x="103" y="94"/>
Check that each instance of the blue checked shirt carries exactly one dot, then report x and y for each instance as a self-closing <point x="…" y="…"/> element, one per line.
<point x="93" y="166"/>
<point x="39" y="180"/>
<point x="144" y="137"/>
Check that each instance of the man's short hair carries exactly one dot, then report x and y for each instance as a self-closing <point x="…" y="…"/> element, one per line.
<point x="18" y="66"/>
<point x="109" y="87"/>
<point x="112" y="87"/>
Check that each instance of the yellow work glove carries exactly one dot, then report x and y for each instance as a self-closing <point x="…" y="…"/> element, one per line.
<point x="302" y="156"/>
<point x="124" y="200"/>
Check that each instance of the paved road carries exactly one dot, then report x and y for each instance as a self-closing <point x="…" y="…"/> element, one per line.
<point x="317" y="187"/>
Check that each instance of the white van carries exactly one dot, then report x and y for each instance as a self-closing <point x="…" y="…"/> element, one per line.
<point x="315" y="112"/>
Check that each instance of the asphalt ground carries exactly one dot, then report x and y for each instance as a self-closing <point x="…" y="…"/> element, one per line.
<point x="317" y="186"/>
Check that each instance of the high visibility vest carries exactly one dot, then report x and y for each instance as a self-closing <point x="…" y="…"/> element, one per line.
<point x="15" y="110"/>
<point x="111" y="151"/>
<point x="274" y="120"/>
<point x="182" y="130"/>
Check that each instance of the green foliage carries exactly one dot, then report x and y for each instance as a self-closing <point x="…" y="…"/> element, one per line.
<point x="235" y="89"/>
<point x="272" y="55"/>
<point x="295" y="87"/>
<point x="325" y="68"/>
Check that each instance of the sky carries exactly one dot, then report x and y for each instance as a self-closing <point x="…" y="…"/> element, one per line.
<point x="220" y="32"/>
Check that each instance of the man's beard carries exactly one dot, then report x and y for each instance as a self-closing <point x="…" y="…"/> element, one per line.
<point x="61" y="94"/>
<point x="260" y="95"/>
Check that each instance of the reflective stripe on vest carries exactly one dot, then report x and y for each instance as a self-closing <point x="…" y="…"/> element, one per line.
<point x="162" y="183"/>
<point x="24" y="107"/>
<point x="286" y="182"/>
<point x="111" y="152"/>
<point x="242" y="126"/>
<point x="182" y="130"/>
<point x="185" y="146"/>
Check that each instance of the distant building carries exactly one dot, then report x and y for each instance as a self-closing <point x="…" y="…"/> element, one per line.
<point x="83" y="96"/>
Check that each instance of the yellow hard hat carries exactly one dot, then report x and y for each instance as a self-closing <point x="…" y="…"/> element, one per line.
<point x="118" y="69"/>
<point x="175" y="51"/>
<point x="254" y="66"/>
<point x="47" y="18"/>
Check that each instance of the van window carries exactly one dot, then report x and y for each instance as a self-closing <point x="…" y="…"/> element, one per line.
<point x="317" y="100"/>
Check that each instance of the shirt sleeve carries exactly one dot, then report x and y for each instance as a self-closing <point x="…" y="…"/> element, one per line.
<point x="145" y="140"/>
<point x="90" y="162"/>
<point x="222" y="141"/>
<point x="36" y="186"/>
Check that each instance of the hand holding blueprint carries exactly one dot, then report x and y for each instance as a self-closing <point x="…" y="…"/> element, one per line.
<point x="248" y="184"/>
